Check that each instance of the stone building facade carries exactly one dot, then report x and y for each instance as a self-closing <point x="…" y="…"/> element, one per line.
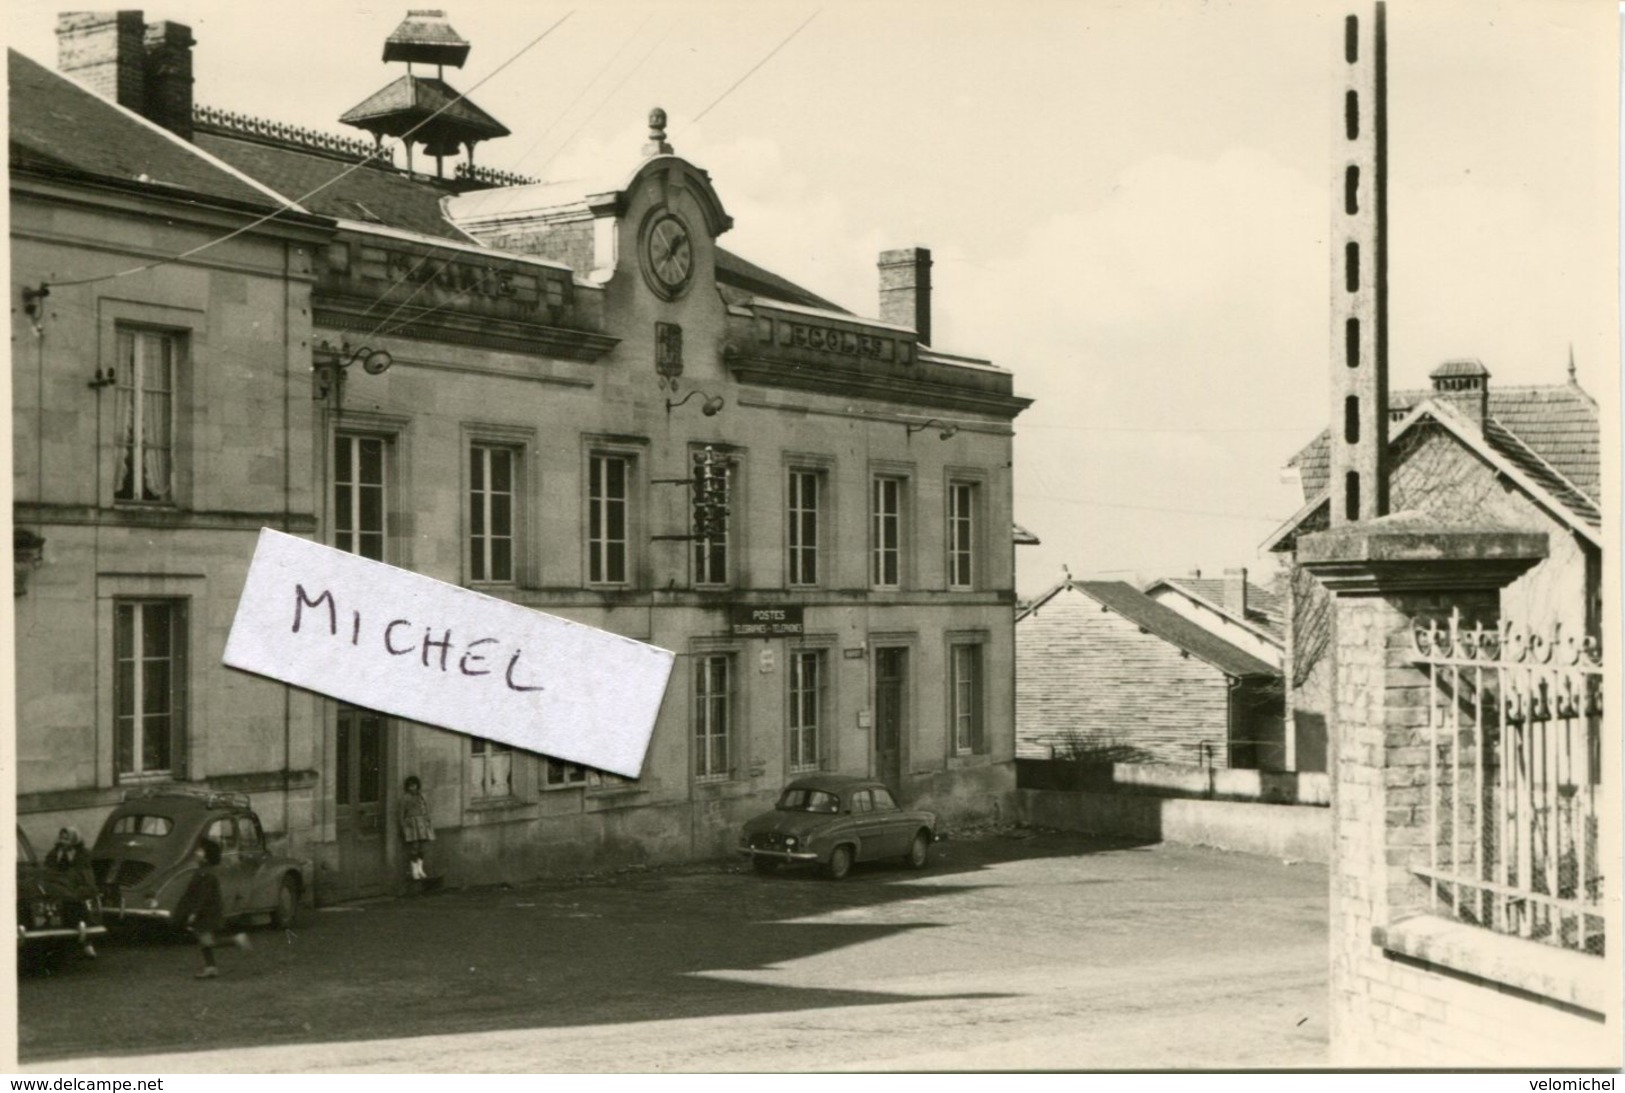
<point x="557" y="363"/>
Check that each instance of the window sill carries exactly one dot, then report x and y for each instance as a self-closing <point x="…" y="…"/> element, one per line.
<point x="496" y="804"/>
<point x="1562" y="975"/>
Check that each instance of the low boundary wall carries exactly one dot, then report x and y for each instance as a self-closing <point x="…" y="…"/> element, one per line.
<point x="1230" y="810"/>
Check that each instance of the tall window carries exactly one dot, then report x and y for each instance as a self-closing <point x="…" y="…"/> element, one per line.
<point x="608" y="487"/>
<point x="961" y="534"/>
<point x="802" y="502"/>
<point x="146" y="415"/>
<point x="358" y="495"/>
<point x="713" y="715"/>
<point x="149" y="685"/>
<point x="711" y="553"/>
<point x="966" y="682"/>
<point x="886" y="512"/>
<point x="490" y="513"/>
<point x="806" y="706"/>
<point x="490" y="769"/>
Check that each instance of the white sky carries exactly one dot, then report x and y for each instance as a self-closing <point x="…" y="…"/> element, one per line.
<point x="1127" y="200"/>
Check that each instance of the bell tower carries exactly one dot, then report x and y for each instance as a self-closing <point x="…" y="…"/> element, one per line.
<point x="423" y="110"/>
<point x="1359" y="282"/>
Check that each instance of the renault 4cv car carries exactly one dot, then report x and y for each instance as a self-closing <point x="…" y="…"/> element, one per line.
<point x="145" y="857"/>
<point x="836" y="820"/>
<point x="55" y="912"/>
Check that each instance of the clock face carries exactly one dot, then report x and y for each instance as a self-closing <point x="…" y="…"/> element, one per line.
<point x="669" y="254"/>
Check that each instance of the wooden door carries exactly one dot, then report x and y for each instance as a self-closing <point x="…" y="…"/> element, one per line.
<point x="360" y="800"/>
<point x="891" y="714"/>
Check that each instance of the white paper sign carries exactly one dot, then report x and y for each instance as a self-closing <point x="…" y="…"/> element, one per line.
<point x="401" y="643"/>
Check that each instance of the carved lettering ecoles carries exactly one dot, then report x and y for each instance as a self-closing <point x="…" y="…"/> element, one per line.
<point x="386" y="639"/>
<point x="848" y="343"/>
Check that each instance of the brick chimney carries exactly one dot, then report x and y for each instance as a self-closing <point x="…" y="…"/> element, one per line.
<point x="1465" y="385"/>
<point x="905" y="290"/>
<point x="143" y="67"/>
<point x="169" y="76"/>
<point x="1235" y="592"/>
<point x="104" y="50"/>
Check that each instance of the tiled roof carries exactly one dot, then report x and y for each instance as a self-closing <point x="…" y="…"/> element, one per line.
<point x="58" y="125"/>
<point x="372" y="194"/>
<point x="738" y="280"/>
<point x="1556" y="423"/>
<point x="1166" y="624"/>
<point x="1454" y="369"/>
<point x="414" y="96"/>
<point x="1263" y="606"/>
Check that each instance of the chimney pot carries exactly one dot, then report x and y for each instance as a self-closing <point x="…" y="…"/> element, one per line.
<point x="1235" y="592"/>
<point x="169" y="76"/>
<point x="1465" y="385"/>
<point x="905" y="290"/>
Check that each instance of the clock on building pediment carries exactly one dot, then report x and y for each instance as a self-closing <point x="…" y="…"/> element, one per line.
<point x="666" y="253"/>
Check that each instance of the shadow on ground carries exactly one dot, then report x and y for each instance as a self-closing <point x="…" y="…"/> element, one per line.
<point x="617" y="948"/>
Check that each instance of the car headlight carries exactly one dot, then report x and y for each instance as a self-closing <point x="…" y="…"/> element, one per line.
<point x="790" y="841"/>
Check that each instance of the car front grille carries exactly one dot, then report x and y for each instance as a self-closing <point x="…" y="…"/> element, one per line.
<point x="767" y="840"/>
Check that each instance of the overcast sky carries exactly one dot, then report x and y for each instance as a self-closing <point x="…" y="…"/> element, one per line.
<point x="1127" y="201"/>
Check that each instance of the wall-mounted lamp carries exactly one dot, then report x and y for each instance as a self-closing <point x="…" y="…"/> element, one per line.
<point x="34" y="304"/>
<point x="711" y="407"/>
<point x="330" y="363"/>
<point x="948" y="429"/>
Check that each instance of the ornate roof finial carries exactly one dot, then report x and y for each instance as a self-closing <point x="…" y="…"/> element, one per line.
<point x="1572" y="378"/>
<point x="657" y="145"/>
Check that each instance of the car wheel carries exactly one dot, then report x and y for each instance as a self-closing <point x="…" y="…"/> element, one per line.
<point x="840" y="862"/>
<point x="764" y="865"/>
<point x="919" y="851"/>
<point x="286" y="911"/>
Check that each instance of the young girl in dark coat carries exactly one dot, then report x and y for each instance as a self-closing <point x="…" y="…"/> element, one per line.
<point x="201" y="908"/>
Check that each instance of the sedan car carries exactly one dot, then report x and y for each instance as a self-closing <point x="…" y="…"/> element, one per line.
<point x="144" y="858"/>
<point x="837" y="819"/>
<point x="55" y="910"/>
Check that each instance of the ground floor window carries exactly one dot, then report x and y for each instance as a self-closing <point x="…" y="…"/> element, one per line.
<point x="966" y="698"/>
<point x="713" y="715"/>
<point x="806" y="707"/>
<point x="490" y="769"/>
<point x="149" y="687"/>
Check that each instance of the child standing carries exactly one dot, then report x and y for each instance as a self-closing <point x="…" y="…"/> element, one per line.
<point x="417" y="830"/>
<point x="201" y="908"/>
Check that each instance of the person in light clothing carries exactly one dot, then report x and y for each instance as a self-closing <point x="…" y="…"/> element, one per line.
<point x="417" y="829"/>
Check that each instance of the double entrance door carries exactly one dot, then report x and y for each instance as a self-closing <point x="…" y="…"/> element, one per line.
<point x="361" y="801"/>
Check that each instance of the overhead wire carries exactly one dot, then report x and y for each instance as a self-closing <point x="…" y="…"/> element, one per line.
<point x="1089" y="502"/>
<point x="770" y="55"/>
<point x="288" y="206"/>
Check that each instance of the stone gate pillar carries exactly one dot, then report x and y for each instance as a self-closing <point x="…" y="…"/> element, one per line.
<point x="1382" y="573"/>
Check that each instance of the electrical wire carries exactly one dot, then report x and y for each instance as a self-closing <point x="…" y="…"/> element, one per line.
<point x="757" y="65"/>
<point x="605" y="100"/>
<point x="625" y="44"/>
<point x="289" y="205"/>
<point x="1089" y="502"/>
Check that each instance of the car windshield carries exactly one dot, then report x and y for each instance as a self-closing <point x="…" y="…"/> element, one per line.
<point x="809" y="800"/>
<point x="136" y="823"/>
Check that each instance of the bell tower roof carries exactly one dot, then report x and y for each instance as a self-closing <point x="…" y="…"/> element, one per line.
<point x="425" y="37"/>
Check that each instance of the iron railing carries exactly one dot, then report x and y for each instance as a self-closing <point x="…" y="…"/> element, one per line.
<point x="1512" y="774"/>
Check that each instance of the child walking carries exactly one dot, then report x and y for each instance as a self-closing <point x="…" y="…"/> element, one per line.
<point x="202" y="910"/>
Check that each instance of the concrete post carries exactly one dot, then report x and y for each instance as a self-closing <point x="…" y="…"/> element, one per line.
<point x="1382" y="573"/>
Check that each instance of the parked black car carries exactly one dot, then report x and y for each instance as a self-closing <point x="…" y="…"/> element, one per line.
<point x="54" y="914"/>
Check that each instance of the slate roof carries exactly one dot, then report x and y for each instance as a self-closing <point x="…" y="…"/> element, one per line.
<point x="1166" y="624"/>
<point x="375" y="195"/>
<point x="738" y="280"/>
<point x="56" y="125"/>
<point x="1555" y="425"/>
<point x="1263" y="606"/>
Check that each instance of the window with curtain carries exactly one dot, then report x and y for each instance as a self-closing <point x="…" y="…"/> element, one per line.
<point x="146" y="414"/>
<point x="806" y="707"/>
<point x="490" y="769"/>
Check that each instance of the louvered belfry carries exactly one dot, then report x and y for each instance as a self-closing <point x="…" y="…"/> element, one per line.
<point x="423" y="111"/>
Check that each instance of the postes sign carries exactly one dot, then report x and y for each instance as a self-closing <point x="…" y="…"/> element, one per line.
<point x="767" y="622"/>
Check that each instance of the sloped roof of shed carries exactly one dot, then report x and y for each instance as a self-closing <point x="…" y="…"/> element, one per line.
<point x="1164" y="623"/>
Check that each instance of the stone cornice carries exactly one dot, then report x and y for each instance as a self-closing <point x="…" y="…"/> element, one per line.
<point x="1405" y="554"/>
<point x="157" y="516"/>
<point x="485" y="332"/>
<point x="847" y="382"/>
